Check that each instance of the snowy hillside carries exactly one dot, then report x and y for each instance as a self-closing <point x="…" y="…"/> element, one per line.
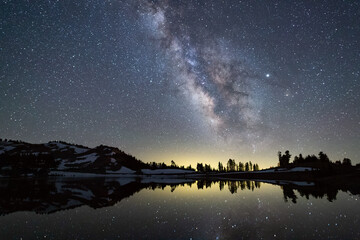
<point x="59" y="158"/>
<point x="65" y="157"/>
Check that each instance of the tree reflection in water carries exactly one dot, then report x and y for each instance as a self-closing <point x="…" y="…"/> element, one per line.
<point x="47" y="196"/>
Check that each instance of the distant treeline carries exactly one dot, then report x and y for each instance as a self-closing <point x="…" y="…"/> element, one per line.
<point x="321" y="161"/>
<point x="26" y="163"/>
<point x="231" y="166"/>
<point x="10" y="140"/>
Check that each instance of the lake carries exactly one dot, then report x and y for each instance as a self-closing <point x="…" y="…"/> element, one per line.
<point x="126" y="208"/>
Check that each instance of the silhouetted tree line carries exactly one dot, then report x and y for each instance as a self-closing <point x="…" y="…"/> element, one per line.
<point x="231" y="166"/>
<point x="10" y="140"/>
<point x="321" y="161"/>
<point x="26" y="163"/>
<point x="173" y="165"/>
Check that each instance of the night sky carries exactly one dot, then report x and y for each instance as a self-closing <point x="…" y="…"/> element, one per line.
<point x="189" y="81"/>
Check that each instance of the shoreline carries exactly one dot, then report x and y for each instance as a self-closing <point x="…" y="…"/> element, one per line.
<point x="304" y="176"/>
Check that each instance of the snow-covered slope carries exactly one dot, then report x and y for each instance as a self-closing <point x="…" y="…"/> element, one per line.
<point x="67" y="157"/>
<point x="58" y="157"/>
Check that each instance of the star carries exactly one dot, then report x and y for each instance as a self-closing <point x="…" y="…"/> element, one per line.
<point x="167" y="79"/>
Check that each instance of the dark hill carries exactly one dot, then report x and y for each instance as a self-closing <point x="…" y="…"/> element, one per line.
<point x="19" y="158"/>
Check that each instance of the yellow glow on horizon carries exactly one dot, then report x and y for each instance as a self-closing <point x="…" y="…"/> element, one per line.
<point x="206" y="157"/>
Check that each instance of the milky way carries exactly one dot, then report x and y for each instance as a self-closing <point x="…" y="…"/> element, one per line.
<point x="189" y="81"/>
<point x="208" y="74"/>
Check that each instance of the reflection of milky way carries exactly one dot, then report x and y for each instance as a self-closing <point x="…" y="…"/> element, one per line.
<point x="210" y="77"/>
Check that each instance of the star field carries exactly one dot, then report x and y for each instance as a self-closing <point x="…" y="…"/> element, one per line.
<point x="190" y="81"/>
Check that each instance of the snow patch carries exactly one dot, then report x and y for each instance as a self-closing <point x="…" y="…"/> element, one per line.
<point x="166" y="171"/>
<point x="78" y="150"/>
<point x="8" y="148"/>
<point x="86" y="194"/>
<point x="124" y="181"/>
<point x="295" y="169"/>
<point x="122" y="170"/>
<point x="86" y="158"/>
<point x="58" y="145"/>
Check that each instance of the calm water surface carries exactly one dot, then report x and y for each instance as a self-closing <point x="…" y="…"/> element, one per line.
<point x="134" y="209"/>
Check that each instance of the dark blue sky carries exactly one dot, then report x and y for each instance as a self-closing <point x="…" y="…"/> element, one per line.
<point x="184" y="80"/>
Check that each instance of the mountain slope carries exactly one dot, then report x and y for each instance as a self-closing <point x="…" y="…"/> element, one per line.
<point x="17" y="158"/>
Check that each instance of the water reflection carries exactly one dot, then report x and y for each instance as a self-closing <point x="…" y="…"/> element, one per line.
<point x="46" y="196"/>
<point x="232" y="185"/>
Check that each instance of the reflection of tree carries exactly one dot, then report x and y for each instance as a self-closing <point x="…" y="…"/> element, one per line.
<point x="203" y="182"/>
<point x="233" y="186"/>
<point x="248" y="184"/>
<point x="200" y="184"/>
<point x="257" y="184"/>
<point x="316" y="190"/>
<point x="242" y="185"/>
<point x="289" y="193"/>
<point x="48" y="196"/>
<point x="319" y="191"/>
<point x="331" y="195"/>
<point x="221" y="185"/>
<point x="328" y="190"/>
